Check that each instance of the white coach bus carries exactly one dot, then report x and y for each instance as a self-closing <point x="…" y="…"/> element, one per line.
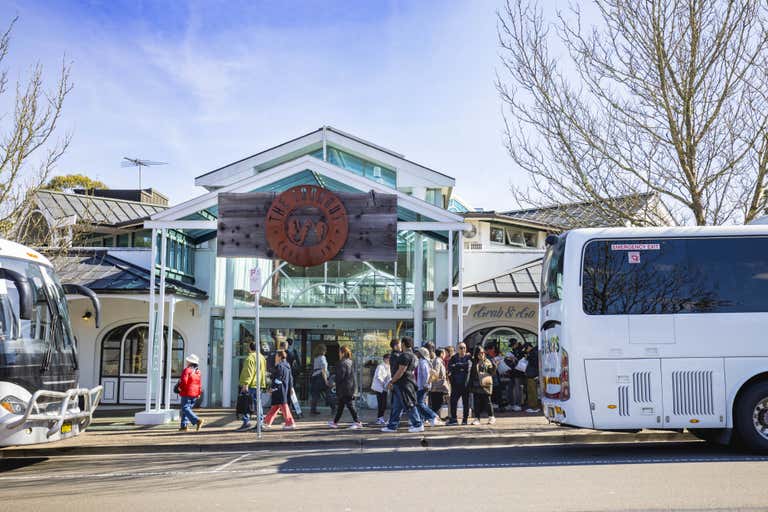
<point x="658" y="328"/>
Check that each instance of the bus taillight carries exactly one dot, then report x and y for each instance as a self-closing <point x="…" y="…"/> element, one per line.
<point x="565" y="385"/>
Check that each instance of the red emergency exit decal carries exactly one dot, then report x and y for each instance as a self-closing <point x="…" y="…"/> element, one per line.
<point x="635" y="247"/>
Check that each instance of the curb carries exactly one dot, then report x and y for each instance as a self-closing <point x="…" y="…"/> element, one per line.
<point x="356" y="444"/>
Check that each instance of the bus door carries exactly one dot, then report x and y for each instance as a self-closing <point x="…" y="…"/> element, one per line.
<point x="625" y="393"/>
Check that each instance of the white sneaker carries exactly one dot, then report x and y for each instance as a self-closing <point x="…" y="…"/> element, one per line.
<point x="289" y="427"/>
<point x="356" y="426"/>
<point x="388" y="430"/>
<point x="516" y="408"/>
<point x="414" y="430"/>
<point x="531" y="411"/>
<point x="381" y="421"/>
<point x="332" y="424"/>
<point x="436" y="422"/>
<point x="475" y="422"/>
<point x="492" y="420"/>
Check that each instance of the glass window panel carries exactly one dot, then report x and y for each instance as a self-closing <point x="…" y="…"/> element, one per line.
<point x="135" y="351"/>
<point x="124" y="240"/>
<point x="142" y="238"/>
<point x="497" y="235"/>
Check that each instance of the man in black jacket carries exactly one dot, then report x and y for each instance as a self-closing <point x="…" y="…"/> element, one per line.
<point x="403" y="385"/>
<point x="459" y="367"/>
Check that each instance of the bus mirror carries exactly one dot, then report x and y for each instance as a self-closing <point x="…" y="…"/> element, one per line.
<point x="78" y="289"/>
<point x="551" y="239"/>
<point x="24" y="290"/>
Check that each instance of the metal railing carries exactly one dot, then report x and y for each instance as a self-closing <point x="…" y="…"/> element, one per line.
<point x="91" y="398"/>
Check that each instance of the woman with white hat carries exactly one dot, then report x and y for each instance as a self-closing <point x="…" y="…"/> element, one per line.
<point x="189" y="389"/>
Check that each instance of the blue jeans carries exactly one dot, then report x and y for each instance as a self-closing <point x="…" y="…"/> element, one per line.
<point x="397" y="410"/>
<point x="424" y="410"/>
<point x="247" y="417"/>
<point x="187" y="415"/>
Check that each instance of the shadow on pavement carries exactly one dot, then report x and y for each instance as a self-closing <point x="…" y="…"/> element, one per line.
<point x="514" y="457"/>
<point x="11" y="464"/>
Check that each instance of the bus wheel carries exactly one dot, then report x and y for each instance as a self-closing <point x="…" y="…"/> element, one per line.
<point x="751" y="417"/>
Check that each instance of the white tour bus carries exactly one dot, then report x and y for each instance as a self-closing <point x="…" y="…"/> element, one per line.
<point x="39" y="397"/>
<point x="658" y="328"/>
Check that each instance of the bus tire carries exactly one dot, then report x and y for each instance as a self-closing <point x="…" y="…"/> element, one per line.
<point x="751" y="417"/>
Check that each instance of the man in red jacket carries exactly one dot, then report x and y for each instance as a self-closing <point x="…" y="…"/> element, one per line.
<point x="189" y="391"/>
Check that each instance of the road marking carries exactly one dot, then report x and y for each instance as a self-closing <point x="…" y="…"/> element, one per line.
<point x="227" y="464"/>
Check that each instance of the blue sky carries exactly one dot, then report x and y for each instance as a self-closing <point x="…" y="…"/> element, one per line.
<point x="202" y="84"/>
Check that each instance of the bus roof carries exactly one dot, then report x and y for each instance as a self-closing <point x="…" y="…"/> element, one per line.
<point x="13" y="250"/>
<point x="668" y="231"/>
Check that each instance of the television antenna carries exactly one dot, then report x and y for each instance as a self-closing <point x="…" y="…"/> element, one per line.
<point x="139" y="162"/>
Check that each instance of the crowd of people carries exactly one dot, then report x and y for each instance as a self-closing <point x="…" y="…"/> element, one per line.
<point x="417" y="382"/>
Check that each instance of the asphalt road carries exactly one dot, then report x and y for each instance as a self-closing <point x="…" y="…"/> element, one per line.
<point x="675" y="476"/>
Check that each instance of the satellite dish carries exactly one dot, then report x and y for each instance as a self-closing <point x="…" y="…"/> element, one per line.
<point x="139" y="162"/>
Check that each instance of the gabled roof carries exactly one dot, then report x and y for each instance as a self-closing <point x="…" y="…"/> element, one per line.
<point x="316" y="167"/>
<point x="98" y="270"/>
<point x="299" y="146"/>
<point x="591" y="213"/>
<point x="519" y="282"/>
<point x="503" y="218"/>
<point x="100" y="211"/>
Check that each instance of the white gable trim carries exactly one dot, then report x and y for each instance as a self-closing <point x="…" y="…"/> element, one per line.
<point x="234" y="172"/>
<point x="298" y="165"/>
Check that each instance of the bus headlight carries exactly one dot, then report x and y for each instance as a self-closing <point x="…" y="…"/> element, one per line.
<point x="13" y="405"/>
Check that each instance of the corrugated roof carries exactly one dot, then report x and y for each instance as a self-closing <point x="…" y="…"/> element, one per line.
<point x="95" y="210"/>
<point x="521" y="281"/>
<point x="103" y="273"/>
<point x="587" y="214"/>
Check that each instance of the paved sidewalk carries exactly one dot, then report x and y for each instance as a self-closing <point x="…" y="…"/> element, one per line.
<point x="113" y="432"/>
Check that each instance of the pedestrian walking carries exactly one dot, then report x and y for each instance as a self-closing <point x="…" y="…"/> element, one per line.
<point x="458" y="373"/>
<point x="481" y="383"/>
<point x="447" y="355"/>
<point x="531" y="378"/>
<point x="282" y="382"/>
<point x="424" y="378"/>
<point x="440" y="386"/>
<point x="319" y="379"/>
<point x="403" y="386"/>
<point x="345" y="389"/>
<point x="381" y="377"/>
<point x="189" y="389"/>
<point x="249" y="387"/>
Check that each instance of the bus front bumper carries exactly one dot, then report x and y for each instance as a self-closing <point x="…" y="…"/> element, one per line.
<point x="58" y="417"/>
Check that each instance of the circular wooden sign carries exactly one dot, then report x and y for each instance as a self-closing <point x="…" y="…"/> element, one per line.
<point x="307" y="225"/>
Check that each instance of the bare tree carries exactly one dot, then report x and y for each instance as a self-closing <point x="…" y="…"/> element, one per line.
<point x="28" y="150"/>
<point x="662" y="96"/>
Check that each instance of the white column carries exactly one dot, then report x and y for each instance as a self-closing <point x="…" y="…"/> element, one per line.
<point x="169" y="352"/>
<point x="158" y="350"/>
<point x="418" y="289"/>
<point x="229" y="310"/>
<point x="461" y="287"/>
<point x="449" y="302"/>
<point x="151" y="315"/>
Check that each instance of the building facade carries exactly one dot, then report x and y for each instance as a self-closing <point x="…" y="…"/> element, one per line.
<point x="363" y="304"/>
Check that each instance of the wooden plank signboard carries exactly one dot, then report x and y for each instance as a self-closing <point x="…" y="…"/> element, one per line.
<point x="308" y="225"/>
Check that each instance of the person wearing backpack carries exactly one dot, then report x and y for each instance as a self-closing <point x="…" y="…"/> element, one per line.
<point x="189" y="389"/>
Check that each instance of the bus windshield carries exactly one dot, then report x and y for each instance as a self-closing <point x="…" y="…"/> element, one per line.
<point x="33" y="336"/>
<point x="552" y="272"/>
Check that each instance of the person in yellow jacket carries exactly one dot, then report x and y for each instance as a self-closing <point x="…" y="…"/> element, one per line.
<point x="248" y="382"/>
